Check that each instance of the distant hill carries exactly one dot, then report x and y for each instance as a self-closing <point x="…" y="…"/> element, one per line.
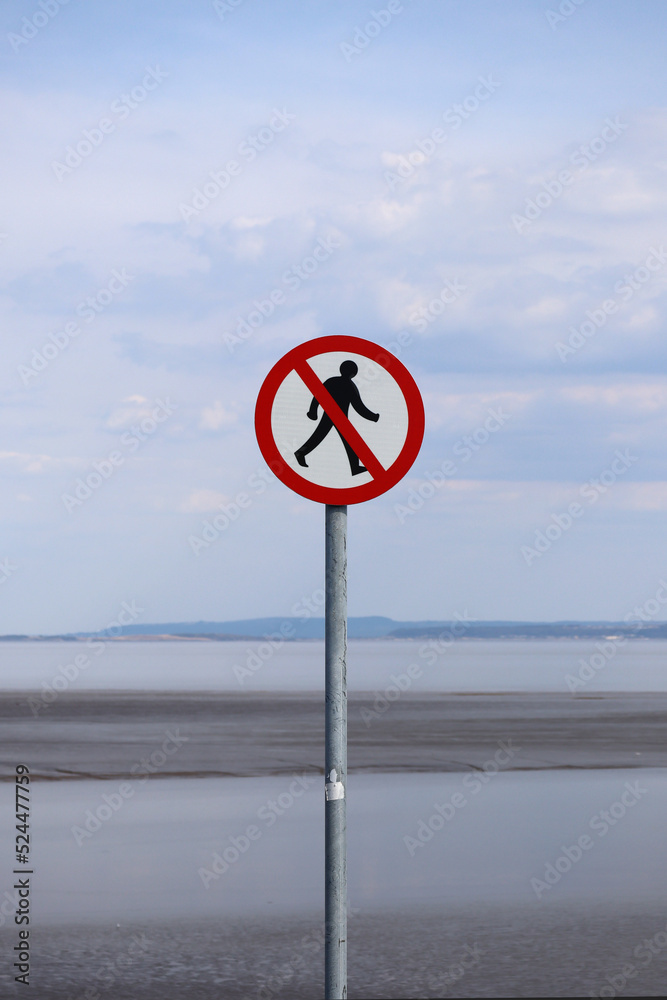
<point x="373" y="627"/>
<point x="257" y="628"/>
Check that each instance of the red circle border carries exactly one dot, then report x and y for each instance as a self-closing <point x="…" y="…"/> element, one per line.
<point x="328" y="494"/>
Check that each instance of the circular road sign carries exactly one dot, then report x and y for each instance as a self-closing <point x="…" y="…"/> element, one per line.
<point x="339" y="420"/>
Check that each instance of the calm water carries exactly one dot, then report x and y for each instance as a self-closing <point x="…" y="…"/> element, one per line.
<point x="144" y="860"/>
<point x="637" y="665"/>
<point x="221" y="877"/>
<point x="479" y="881"/>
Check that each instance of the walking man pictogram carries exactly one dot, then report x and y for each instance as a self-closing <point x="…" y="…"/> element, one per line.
<point x="346" y="394"/>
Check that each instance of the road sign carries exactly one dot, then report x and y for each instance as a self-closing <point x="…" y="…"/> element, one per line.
<point x="369" y="413"/>
<point x="369" y="419"/>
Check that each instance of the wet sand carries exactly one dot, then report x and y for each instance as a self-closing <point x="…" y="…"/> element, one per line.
<point x="509" y="951"/>
<point x="105" y="734"/>
<point x="124" y="912"/>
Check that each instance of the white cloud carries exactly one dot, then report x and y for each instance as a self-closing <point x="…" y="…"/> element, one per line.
<point x="203" y="502"/>
<point x="649" y="397"/>
<point x="133" y="408"/>
<point x="463" y="412"/>
<point x="248" y="222"/>
<point x="451" y="219"/>
<point x="216" y="417"/>
<point x="22" y="462"/>
<point x="640" y="496"/>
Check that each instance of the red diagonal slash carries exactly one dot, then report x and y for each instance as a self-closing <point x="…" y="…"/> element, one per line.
<point x="340" y="421"/>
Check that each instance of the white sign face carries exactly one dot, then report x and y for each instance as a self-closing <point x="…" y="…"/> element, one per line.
<point x="339" y="420"/>
<point x="327" y="462"/>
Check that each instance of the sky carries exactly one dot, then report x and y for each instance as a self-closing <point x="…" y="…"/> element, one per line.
<point x="488" y="182"/>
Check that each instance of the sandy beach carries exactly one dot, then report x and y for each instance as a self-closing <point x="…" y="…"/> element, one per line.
<point x="104" y="734"/>
<point x="509" y="952"/>
<point x="135" y="794"/>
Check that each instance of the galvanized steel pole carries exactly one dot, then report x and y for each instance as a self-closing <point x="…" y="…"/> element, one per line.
<point x="335" y="820"/>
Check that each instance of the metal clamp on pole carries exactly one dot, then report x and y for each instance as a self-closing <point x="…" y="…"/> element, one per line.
<point x="335" y="818"/>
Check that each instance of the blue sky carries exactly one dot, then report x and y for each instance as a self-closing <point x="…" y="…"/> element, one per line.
<point x="541" y="200"/>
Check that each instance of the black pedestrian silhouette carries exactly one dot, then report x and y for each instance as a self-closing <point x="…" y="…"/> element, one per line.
<point x="346" y="394"/>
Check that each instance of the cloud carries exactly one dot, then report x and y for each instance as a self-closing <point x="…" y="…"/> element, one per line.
<point x="641" y="496"/>
<point x="216" y="417"/>
<point x="203" y="502"/>
<point x="455" y="412"/>
<point x="493" y="347"/>
<point x="22" y="463"/>
<point x="133" y="408"/>
<point x="635" y="399"/>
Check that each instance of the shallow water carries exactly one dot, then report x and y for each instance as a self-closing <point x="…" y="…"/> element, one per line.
<point x="475" y="665"/>
<point x="152" y="854"/>
<point x="450" y="847"/>
<point x="148" y="874"/>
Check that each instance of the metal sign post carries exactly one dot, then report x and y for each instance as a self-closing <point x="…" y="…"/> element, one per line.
<point x="370" y="430"/>
<point x="335" y="754"/>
